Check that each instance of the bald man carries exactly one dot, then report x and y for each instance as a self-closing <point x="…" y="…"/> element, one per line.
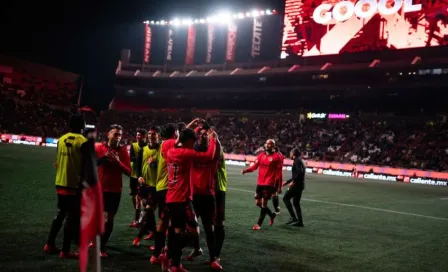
<point x="268" y="162"/>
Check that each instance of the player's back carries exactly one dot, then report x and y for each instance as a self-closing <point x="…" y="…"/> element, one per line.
<point x="68" y="160"/>
<point x="178" y="166"/>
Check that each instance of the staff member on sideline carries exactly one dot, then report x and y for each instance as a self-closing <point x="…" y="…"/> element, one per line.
<point x="295" y="189"/>
<point x="70" y="149"/>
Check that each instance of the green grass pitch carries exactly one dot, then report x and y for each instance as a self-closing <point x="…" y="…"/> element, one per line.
<point x="351" y="225"/>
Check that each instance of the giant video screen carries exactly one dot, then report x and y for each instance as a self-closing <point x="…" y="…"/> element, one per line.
<point x="327" y="27"/>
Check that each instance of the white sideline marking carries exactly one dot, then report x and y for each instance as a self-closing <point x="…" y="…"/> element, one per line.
<point x="359" y="207"/>
<point x="444" y="198"/>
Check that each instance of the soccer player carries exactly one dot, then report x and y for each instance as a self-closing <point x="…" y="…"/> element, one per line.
<point x="113" y="162"/>
<point x="68" y="165"/>
<point x="135" y="152"/>
<point x="147" y="174"/>
<point x="169" y="135"/>
<point x="275" y="201"/>
<point x="178" y="198"/>
<point x="297" y="184"/>
<point x="202" y="178"/>
<point x="268" y="162"/>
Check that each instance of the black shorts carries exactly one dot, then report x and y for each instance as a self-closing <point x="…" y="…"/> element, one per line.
<point x="111" y="202"/>
<point x="220" y="197"/>
<point x="133" y="186"/>
<point x="69" y="203"/>
<point x="265" y="191"/>
<point x="205" y="208"/>
<point x="161" y="203"/>
<point x="181" y="215"/>
<point x="148" y="194"/>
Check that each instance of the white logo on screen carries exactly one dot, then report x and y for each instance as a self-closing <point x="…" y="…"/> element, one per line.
<point x="344" y="10"/>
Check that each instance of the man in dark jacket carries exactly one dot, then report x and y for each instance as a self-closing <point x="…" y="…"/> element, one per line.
<point x="297" y="184"/>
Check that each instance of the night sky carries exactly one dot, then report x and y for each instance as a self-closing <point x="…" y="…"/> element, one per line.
<point x="85" y="37"/>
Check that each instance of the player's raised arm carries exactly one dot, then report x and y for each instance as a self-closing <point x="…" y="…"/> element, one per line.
<point x="253" y="167"/>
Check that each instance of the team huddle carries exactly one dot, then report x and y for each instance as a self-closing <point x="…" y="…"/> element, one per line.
<point x="178" y="173"/>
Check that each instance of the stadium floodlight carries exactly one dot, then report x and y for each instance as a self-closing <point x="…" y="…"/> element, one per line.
<point x="187" y="22"/>
<point x="224" y="18"/>
<point x="176" y="22"/>
<point x="219" y="18"/>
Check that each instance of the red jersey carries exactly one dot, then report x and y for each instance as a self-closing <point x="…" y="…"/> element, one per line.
<point x="203" y="174"/>
<point x="269" y="167"/>
<point x="179" y="161"/>
<point x="111" y="173"/>
<point x="167" y="145"/>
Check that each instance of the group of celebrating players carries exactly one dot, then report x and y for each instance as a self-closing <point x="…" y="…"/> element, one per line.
<point x="177" y="170"/>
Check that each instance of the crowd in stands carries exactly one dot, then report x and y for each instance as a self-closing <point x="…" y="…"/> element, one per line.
<point x="24" y="86"/>
<point x="421" y="145"/>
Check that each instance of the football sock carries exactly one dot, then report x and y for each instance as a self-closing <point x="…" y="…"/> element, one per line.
<point x="108" y="231"/>
<point x="137" y="214"/>
<point x="219" y="236"/>
<point x="276" y="203"/>
<point x="210" y="238"/>
<point x="176" y="249"/>
<point x="262" y="216"/>
<point x="159" y="240"/>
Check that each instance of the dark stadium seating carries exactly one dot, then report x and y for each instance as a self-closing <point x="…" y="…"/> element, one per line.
<point x="398" y="142"/>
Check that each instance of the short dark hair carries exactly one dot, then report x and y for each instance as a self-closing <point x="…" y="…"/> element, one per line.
<point x="115" y="126"/>
<point x="181" y="126"/>
<point x="155" y="128"/>
<point x="205" y="125"/>
<point x="187" y="134"/>
<point x="142" y="131"/>
<point x="295" y="152"/>
<point x="77" y="122"/>
<point x="168" y="131"/>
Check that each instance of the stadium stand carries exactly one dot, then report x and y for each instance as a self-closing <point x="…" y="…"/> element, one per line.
<point x="413" y="137"/>
<point x="399" y="143"/>
<point x="35" y="99"/>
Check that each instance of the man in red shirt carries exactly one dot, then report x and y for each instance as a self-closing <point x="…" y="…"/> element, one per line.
<point x="203" y="182"/>
<point x="169" y="135"/>
<point x="268" y="162"/>
<point x="178" y="198"/>
<point x="113" y="162"/>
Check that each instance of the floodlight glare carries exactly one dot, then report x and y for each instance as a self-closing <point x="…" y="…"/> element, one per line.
<point x="176" y="22"/>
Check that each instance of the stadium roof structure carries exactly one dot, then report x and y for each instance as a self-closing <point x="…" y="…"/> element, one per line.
<point x="267" y="68"/>
<point x="39" y="69"/>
